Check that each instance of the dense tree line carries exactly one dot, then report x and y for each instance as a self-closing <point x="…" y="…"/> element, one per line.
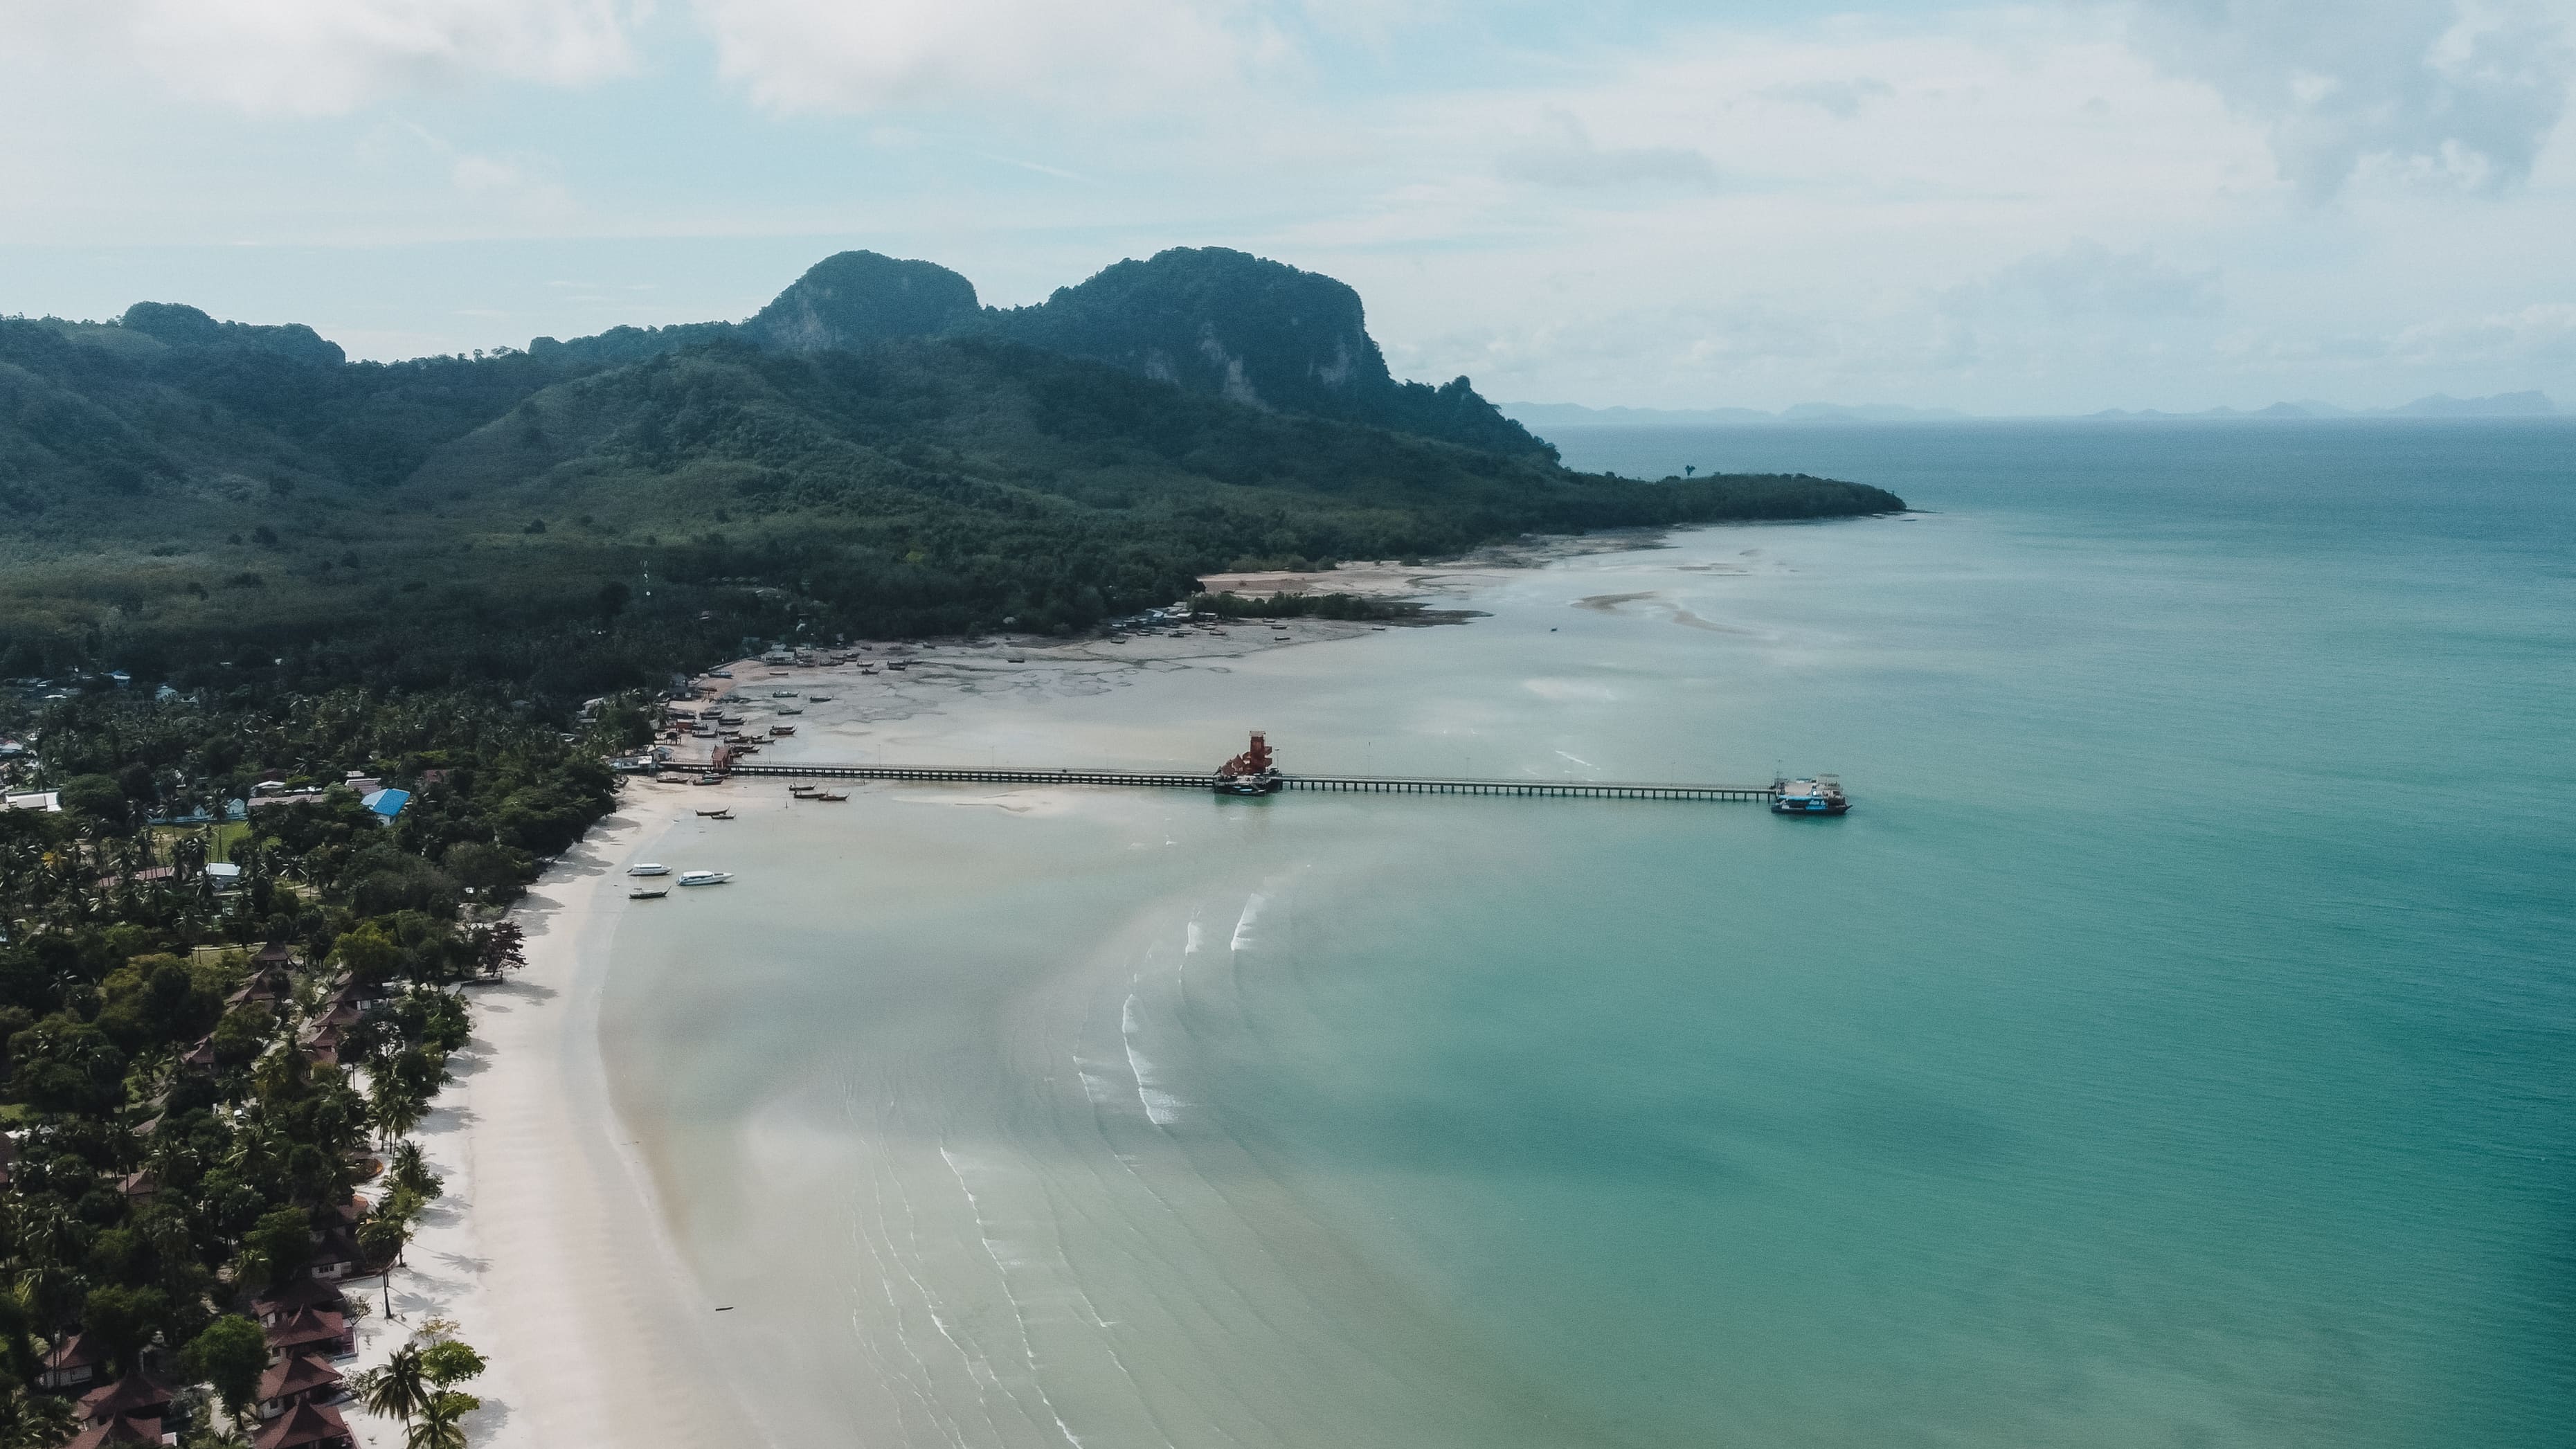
<point x="183" y="1137"/>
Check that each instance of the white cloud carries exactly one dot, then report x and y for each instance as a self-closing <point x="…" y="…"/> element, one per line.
<point x="803" y="56"/>
<point x="329" y="57"/>
<point x="2458" y="92"/>
<point x="1841" y="99"/>
<point x="1563" y="154"/>
<point x="2086" y="279"/>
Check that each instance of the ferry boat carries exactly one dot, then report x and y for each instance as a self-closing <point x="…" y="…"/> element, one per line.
<point x="703" y="877"/>
<point x="1822" y="795"/>
<point x="648" y="868"/>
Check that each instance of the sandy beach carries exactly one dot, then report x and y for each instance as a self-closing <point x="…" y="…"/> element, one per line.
<point x="545" y="1250"/>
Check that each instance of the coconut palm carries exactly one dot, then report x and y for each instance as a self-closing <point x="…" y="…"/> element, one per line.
<point x="440" y="1426"/>
<point x="398" y="1390"/>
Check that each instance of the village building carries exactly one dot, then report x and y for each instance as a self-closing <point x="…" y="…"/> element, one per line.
<point x="306" y="1426"/>
<point x="304" y="1378"/>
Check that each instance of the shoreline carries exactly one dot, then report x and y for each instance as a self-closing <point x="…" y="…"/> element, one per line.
<point x="552" y="1249"/>
<point x="549" y="1249"/>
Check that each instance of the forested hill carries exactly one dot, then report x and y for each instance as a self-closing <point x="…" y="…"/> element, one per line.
<point x="1205" y="319"/>
<point x="192" y="499"/>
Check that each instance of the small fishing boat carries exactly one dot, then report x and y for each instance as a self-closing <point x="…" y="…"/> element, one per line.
<point x="776" y="730"/>
<point x="724" y="814"/>
<point x="703" y="877"/>
<point x="789" y="709"/>
<point x="802" y="790"/>
<point x="829" y="797"/>
<point x="782" y="694"/>
<point x="648" y="868"/>
<point x="708" y="780"/>
<point x="642" y="893"/>
<point x="818" y="699"/>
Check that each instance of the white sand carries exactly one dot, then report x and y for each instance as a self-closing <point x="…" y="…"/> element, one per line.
<point x="546" y="1249"/>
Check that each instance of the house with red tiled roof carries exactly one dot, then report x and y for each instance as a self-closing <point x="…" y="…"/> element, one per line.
<point x="71" y="1366"/>
<point x="305" y="1378"/>
<point x="138" y="1395"/>
<point x="310" y="1330"/>
<point x="121" y="1431"/>
<point x="306" y="1426"/>
<point x="293" y="1296"/>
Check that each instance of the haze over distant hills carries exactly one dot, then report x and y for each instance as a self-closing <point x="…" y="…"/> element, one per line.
<point x="1543" y="416"/>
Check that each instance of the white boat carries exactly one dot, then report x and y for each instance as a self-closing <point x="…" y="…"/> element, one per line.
<point x="648" y="868"/>
<point x="703" y="877"/>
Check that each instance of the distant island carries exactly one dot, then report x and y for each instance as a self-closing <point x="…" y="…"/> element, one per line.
<point x="1570" y="415"/>
<point x="872" y="454"/>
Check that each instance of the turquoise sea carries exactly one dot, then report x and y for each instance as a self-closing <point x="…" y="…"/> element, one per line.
<point x="2176" y="1046"/>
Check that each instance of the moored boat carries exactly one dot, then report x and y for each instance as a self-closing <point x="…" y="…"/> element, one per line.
<point x="703" y="877"/>
<point x="648" y="893"/>
<point x="724" y="814"/>
<point x="1822" y="795"/>
<point x="829" y="797"/>
<point x="648" y="867"/>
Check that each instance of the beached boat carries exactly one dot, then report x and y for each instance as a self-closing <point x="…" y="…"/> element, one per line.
<point x="782" y="694"/>
<point x="648" y="893"/>
<point x="802" y="790"/>
<point x="776" y="730"/>
<point x="833" y="797"/>
<point x="703" y="877"/>
<point x="789" y="709"/>
<point x="818" y="699"/>
<point x="723" y="814"/>
<point x="648" y="867"/>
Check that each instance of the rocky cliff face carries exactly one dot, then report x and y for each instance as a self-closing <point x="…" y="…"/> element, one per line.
<point x="1254" y="331"/>
<point x="176" y="324"/>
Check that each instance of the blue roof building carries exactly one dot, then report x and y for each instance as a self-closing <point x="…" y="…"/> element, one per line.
<point x="387" y="803"/>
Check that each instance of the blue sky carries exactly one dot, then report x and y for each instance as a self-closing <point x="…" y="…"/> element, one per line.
<point x="2043" y="208"/>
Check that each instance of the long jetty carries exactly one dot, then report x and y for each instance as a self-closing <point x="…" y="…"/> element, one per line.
<point x="1207" y="781"/>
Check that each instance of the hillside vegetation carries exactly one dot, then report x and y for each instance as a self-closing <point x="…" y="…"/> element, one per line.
<point x="194" y="499"/>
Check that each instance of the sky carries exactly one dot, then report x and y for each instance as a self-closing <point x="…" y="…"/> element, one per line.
<point x="2006" y="209"/>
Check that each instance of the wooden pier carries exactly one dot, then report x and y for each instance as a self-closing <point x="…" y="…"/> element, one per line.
<point x="1207" y="781"/>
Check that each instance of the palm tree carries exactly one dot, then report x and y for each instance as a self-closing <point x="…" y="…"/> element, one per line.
<point x="383" y="1235"/>
<point x="439" y="1427"/>
<point x="398" y="1390"/>
<point x="35" y="1421"/>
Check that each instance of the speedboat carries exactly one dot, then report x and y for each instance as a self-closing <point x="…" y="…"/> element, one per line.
<point x="648" y="868"/>
<point x="703" y="877"/>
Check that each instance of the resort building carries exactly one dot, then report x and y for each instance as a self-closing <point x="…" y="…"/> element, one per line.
<point x="306" y="1426"/>
<point x="303" y="1379"/>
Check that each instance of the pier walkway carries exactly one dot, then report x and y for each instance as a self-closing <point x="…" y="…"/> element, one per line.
<point x="1199" y="780"/>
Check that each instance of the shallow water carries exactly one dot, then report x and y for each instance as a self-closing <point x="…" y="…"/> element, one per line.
<point x="2172" y="1047"/>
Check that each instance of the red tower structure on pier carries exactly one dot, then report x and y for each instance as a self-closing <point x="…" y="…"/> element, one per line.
<point x="1254" y="772"/>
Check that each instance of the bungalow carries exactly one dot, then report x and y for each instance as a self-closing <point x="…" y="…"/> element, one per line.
<point x="306" y="1426"/>
<point x="302" y="1379"/>
<point x="138" y="1395"/>
<point x="310" y="1330"/>
<point x="294" y="1296"/>
<point x="69" y="1366"/>
<point x="121" y="1431"/>
<point x="336" y="1256"/>
<point x="141" y="1184"/>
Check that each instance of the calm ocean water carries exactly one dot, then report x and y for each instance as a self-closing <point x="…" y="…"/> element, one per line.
<point x="2173" y="1047"/>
